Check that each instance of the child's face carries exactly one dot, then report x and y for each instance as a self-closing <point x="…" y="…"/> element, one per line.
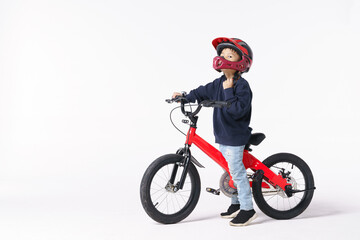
<point x="230" y="55"/>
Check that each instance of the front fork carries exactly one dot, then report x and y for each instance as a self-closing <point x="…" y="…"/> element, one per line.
<point x="187" y="159"/>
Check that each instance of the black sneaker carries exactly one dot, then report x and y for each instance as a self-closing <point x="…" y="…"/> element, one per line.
<point x="243" y="218"/>
<point x="232" y="211"/>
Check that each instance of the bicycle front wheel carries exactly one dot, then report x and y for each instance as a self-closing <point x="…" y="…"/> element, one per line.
<point x="160" y="198"/>
<point x="273" y="201"/>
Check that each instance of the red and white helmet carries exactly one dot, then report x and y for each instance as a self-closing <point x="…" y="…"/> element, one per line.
<point x="238" y="46"/>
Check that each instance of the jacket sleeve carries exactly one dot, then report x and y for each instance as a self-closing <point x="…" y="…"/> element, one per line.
<point x="201" y="93"/>
<point x="240" y="97"/>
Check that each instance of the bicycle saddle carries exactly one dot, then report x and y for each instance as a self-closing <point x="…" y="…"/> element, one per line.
<point x="255" y="139"/>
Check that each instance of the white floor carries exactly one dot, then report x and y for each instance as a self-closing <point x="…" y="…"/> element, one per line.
<point x="104" y="209"/>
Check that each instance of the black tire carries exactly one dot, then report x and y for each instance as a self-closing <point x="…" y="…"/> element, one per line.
<point x="160" y="171"/>
<point x="268" y="201"/>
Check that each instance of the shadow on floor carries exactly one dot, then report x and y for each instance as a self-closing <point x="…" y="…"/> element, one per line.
<point x="315" y="210"/>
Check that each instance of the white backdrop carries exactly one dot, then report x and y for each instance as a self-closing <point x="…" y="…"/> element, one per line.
<point x="82" y="111"/>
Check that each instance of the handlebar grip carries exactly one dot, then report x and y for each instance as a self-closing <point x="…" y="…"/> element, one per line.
<point x="176" y="99"/>
<point x="220" y="104"/>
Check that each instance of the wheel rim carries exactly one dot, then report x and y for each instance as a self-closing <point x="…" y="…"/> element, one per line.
<point x="276" y="197"/>
<point x="164" y="196"/>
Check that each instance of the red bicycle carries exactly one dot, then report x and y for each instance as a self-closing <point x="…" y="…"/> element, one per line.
<point x="282" y="185"/>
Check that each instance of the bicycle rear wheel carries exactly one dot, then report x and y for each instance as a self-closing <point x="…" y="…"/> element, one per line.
<point x="162" y="201"/>
<point x="273" y="201"/>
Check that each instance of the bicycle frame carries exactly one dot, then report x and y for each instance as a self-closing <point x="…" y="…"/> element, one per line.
<point x="249" y="161"/>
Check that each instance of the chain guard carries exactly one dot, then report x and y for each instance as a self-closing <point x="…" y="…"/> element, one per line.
<point x="224" y="185"/>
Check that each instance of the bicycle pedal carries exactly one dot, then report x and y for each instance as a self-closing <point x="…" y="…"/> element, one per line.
<point x="213" y="191"/>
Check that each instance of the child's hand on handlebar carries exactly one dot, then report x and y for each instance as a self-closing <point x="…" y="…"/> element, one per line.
<point x="176" y="94"/>
<point x="176" y="97"/>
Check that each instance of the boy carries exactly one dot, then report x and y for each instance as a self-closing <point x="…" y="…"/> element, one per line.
<point x="231" y="125"/>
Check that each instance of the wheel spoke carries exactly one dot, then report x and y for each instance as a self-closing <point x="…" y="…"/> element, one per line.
<point x="167" y="167"/>
<point x="157" y="190"/>
<point x="271" y="198"/>
<point x="160" y="196"/>
<point x="183" y="196"/>
<point x="158" y="204"/>
<point x="177" y="201"/>
<point x="161" y="187"/>
<point x="162" y="171"/>
<point x="164" y="178"/>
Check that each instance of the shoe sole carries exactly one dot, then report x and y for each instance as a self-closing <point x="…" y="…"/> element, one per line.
<point x="244" y="224"/>
<point x="234" y="214"/>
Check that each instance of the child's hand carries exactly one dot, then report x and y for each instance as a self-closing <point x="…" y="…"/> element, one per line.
<point x="228" y="83"/>
<point x="175" y="94"/>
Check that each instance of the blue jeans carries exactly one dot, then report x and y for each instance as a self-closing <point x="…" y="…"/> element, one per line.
<point x="234" y="158"/>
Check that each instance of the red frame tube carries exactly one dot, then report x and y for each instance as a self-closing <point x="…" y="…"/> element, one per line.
<point x="249" y="160"/>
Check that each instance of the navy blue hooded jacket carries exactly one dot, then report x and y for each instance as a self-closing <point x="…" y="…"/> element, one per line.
<point x="231" y="125"/>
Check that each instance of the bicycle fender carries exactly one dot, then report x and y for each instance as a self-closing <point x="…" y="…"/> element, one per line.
<point x="193" y="160"/>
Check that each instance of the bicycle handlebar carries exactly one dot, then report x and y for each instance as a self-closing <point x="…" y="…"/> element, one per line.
<point x="205" y="103"/>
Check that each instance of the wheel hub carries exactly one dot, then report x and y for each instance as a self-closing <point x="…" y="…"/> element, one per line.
<point x="171" y="187"/>
<point x="293" y="183"/>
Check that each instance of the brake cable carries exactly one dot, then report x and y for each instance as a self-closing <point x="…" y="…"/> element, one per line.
<point x="190" y="105"/>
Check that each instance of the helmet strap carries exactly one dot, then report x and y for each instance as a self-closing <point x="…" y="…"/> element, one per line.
<point x="237" y="75"/>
